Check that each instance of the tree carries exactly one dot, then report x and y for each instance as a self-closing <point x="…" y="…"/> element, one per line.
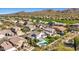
<point x="33" y="42"/>
<point x="76" y="43"/>
<point x="49" y="39"/>
<point x="25" y="29"/>
<point x="14" y="31"/>
<point x="77" y="40"/>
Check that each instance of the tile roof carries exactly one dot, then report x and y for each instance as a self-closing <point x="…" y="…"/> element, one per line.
<point x="3" y="32"/>
<point x="14" y="40"/>
<point x="6" y="45"/>
<point x="61" y="28"/>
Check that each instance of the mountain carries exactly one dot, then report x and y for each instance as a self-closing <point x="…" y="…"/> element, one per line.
<point x="69" y="13"/>
<point x="71" y="10"/>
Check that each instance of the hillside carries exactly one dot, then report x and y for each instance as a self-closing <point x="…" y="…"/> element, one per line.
<point x="70" y="13"/>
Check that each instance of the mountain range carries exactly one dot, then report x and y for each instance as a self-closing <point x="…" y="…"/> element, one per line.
<point x="69" y="13"/>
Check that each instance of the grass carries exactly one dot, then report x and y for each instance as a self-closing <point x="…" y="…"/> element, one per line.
<point x="61" y="47"/>
<point x="67" y="21"/>
<point x="50" y="39"/>
<point x="58" y="20"/>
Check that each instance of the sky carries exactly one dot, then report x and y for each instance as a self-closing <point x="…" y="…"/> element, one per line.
<point x="14" y="10"/>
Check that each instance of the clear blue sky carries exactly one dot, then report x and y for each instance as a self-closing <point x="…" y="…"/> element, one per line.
<point x="14" y="10"/>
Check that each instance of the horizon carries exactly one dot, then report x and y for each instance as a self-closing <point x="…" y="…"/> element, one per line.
<point x="15" y="10"/>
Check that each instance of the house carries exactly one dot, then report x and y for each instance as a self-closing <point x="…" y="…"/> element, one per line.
<point x="20" y="43"/>
<point x="37" y="35"/>
<point x="32" y="27"/>
<point x="69" y="43"/>
<point x="29" y="23"/>
<point x="60" y="28"/>
<point x="4" y="33"/>
<point x="14" y="21"/>
<point x="32" y="35"/>
<point x="1" y="36"/>
<point x="7" y="46"/>
<point x="41" y="35"/>
<point x="75" y="25"/>
<point x="51" y="23"/>
<point x="26" y="47"/>
<point x="41" y="26"/>
<point x="16" y="41"/>
<point x="21" y="22"/>
<point x="49" y="31"/>
<point x="18" y="31"/>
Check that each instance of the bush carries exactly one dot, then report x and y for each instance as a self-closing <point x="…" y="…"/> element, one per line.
<point x="25" y="29"/>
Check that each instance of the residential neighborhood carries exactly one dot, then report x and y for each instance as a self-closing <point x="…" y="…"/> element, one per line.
<point x="22" y="32"/>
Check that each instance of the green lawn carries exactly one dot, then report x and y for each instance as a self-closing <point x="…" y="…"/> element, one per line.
<point x="58" y="20"/>
<point x="67" y="21"/>
<point x="50" y="39"/>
